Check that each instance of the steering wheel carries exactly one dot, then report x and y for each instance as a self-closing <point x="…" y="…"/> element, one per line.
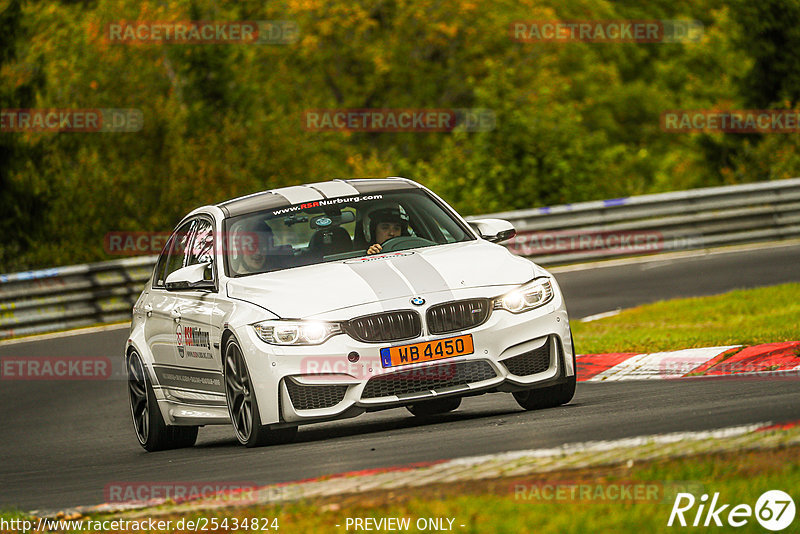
<point x="403" y="242"/>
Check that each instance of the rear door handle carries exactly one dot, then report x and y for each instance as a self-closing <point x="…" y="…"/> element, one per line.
<point x="176" y="314"/>
<point x="148" y="309"/>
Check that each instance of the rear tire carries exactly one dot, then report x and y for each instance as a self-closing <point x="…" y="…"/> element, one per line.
<point x="434" y="407"/>
<point x="552" y="396"/>
<point x="242" y="404"/>
<point x="151" y="431"/>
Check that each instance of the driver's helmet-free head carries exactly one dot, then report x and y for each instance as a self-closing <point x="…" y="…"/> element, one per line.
<point x="393" y="213"/>
<point x="252" y="242"/>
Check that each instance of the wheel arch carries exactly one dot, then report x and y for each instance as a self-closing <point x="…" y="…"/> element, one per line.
<point x="266" y="386"/>
<point x="227" y="333"/>
<point x="147" y="362"/>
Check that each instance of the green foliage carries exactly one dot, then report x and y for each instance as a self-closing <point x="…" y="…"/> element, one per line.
<point x="575" y="121"/>
<point x="20" y="194"/>
<point x="771" y="31"/>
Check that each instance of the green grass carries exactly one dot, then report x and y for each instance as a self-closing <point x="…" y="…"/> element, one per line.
<point x="494" y="506"/>
<point x="741" y="317"/>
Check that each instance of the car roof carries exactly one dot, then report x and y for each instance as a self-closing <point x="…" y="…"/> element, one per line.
<point x="297" y="194"/>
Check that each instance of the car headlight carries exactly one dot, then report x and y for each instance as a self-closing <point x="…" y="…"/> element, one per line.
<point x="296" y="332"/>
<point x="528" y="296"/>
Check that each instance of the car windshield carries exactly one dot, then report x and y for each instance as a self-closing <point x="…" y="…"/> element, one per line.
<point x="337" y="229"/>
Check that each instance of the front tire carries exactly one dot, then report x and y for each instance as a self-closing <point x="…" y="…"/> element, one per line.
<point x="549" y="397"/>
<point x="434" y="407"/>
<point x="242" y="404"/>
<point x="552" y="396"/>
<point x="151" y="431"/>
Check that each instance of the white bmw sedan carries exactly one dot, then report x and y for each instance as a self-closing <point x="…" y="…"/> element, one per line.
<point x="324" y="301"/>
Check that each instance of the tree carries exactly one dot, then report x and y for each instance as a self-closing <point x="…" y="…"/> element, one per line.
<point x="22" y="201"/>
<point x="770" y="32"/>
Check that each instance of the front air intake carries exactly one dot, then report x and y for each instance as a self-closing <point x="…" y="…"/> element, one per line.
<point x="314" y="397"/>
<point x="531" y="362"/>
<point x="426" y="380"/>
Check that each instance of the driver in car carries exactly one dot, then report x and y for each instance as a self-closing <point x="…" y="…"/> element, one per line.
<point x="384" y="224"/>
<point x="255" y="247"/>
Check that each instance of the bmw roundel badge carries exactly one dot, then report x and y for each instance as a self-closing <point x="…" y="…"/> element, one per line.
<point x="418" y="301"/>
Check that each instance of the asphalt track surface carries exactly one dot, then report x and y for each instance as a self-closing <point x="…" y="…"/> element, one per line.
<point x="64" y="442"/>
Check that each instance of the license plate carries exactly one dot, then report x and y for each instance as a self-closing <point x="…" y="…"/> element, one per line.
<point x="427" y="351"/>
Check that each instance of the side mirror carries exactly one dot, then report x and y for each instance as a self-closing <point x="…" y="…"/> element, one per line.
<point x="190" y="277"/>
<point x="494" y="230"/>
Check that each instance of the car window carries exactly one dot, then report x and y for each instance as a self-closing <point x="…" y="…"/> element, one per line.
<point x="158" y="277"/>
<point x="441" y="226"/>
<point x="202" y="248"/>
<point x="174" y="255"/>
<point x="336" y="229"/>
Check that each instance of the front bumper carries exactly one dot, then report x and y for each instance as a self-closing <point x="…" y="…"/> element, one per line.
<point x="296" y="385"/>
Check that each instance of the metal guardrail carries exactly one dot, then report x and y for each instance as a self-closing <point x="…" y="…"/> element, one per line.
<point x="48" y="300"/>
<point x="34" y="302"/>
<point x="664" y="222"/>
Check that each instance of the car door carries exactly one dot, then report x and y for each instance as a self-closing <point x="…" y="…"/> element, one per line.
<point x="178" y="325"/>
<point x="197" y="307"/>
<point x="160" y="306"/>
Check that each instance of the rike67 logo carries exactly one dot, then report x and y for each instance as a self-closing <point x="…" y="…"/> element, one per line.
<point x="774" y="510"/>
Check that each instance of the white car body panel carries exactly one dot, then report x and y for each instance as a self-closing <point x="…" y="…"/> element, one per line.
<point x="306" y="292"/>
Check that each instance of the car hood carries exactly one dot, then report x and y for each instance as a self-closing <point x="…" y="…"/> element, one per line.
<point x="434" y="272"/>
